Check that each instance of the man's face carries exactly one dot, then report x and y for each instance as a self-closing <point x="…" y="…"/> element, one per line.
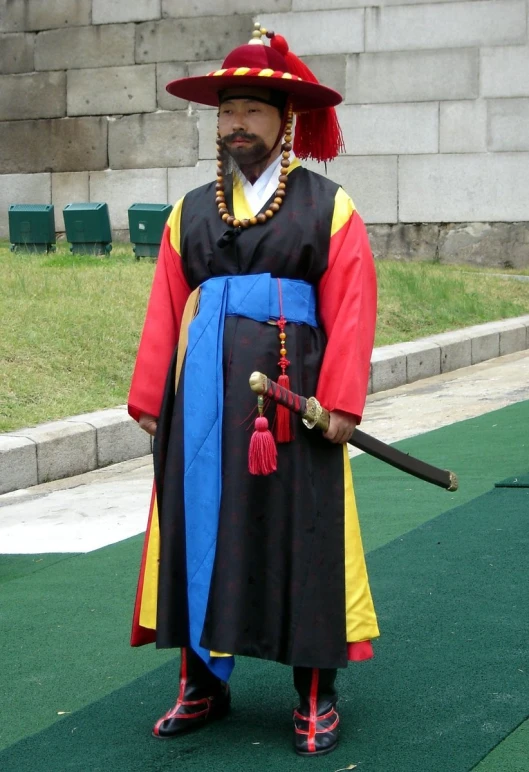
<point x="248" y="129"/>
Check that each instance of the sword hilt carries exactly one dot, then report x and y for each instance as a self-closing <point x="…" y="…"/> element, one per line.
<point x="312" y="413"/>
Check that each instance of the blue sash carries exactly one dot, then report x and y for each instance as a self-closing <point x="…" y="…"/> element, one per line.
<point x="254" y="297"/>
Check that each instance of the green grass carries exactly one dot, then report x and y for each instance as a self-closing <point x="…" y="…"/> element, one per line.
<point x="71" y="325"/>
<point x="420" y="299"/>
<point x="70" y="330"/>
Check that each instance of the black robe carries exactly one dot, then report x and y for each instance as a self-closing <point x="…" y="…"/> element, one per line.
<point x="279" y="587"/>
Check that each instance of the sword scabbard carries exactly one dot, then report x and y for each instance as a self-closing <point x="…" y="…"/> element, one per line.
<point x="314" y="415"/>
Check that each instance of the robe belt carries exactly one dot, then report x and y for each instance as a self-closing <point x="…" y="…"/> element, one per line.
<point x="255" y="297"/>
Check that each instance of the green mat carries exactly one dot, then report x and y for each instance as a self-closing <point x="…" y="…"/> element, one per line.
<point x="509" y="756"/>
<point x="481" y="451"/>
<point x="16" y="566"/>
<point x="64" y="635"/>
<point x="520" y="481"/>
<point x="424" y="701"/>
<point x="448" y="683"/>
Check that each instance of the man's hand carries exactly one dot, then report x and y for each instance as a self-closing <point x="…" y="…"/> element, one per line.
<point x="148" y="423"/>
<point x="341" y="427"/>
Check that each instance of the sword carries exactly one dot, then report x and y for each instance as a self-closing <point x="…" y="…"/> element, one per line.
<point x="314" y="415"/>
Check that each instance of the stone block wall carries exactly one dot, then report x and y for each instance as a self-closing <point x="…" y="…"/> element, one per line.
<point x="435" y="113"/>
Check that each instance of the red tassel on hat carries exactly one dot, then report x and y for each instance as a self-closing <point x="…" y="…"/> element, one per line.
<point x="318" y="134"/>
<point x="262" y="456"/>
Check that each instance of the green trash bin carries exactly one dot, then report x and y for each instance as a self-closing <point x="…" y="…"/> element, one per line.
<point x="146" y="224"/>
<point x="88" y="228"/>
<point x="32" y="227"/>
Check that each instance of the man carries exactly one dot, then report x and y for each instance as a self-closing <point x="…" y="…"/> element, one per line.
<point x="268" y="267"/>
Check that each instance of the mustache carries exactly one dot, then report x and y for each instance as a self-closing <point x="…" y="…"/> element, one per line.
<point x="238" y="135"/>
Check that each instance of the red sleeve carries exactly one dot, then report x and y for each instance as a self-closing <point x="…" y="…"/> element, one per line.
<point x="169" y="293"/>
<point x="347" y="304"/>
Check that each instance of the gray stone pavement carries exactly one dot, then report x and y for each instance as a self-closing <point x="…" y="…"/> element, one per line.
<point x="446" y="399"/>
<point x="88" y="511"/>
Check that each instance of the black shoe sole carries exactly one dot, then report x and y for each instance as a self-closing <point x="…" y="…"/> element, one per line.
<point x="323" y="752"/>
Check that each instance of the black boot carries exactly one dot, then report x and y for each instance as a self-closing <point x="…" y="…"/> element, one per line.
<point x="202" y="698"/>
<point x="316" y="720"/>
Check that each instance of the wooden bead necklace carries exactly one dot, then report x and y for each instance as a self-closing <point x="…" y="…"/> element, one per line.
<point x="279" y="195"/>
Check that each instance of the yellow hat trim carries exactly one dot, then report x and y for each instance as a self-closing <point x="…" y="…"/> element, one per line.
<point x="267" y="73"/>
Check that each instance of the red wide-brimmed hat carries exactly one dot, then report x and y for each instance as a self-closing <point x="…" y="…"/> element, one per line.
<point x="274" y="67"/>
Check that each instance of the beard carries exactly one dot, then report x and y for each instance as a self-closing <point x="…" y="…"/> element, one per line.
<point x="244" y="155"/>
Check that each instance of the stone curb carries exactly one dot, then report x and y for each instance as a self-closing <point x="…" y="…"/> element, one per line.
<point x="402" y="363"/>
<point x="69" y="447"/>
<point x="85" y="442"/>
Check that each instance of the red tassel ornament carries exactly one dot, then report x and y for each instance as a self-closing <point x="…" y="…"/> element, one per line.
<point x="283" y="431"/>
<point x="318" y="134"/>
<point x="262" y="456"/>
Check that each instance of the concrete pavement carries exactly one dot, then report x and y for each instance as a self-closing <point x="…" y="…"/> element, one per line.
<point x="88" y="511"/>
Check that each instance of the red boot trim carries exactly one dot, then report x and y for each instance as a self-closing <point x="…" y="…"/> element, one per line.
<point x="172" y="713"/>
<point x="183" y="676"/>
<point x="324" y="716"/>
<point x="181" y="693"/>
<point x="333" y="726"/>
<point x="313" y="704"/>
<point x="330" y="728"/>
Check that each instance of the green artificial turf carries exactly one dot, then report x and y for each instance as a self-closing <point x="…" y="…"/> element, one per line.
<point x="518" y="481"/>
<point x="64" y="635"/>
<point x="16" y="566"/>
<point x="65" y="638"/>
<point x="512" y="755"/>
<point x="480" y="450"/>
<point x="447" y="684"/>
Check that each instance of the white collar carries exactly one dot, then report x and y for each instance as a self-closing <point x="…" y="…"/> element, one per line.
<point x="258" y="194"/>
